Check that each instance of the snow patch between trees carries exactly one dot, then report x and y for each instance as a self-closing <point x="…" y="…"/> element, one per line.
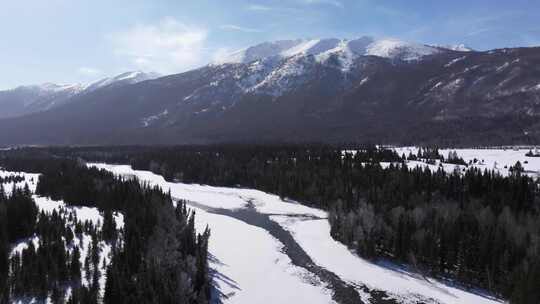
<point x="82" y="214"/>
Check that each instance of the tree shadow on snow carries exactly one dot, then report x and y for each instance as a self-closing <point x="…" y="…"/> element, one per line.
<point x="440" y="284"/>
<point x="219" y="280"/>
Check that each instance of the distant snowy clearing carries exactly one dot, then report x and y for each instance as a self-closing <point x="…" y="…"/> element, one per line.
<point x="499" y="160"/>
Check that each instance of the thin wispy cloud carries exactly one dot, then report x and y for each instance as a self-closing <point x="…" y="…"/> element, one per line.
<point x="482" y="24"/>
<point x="131" y="37"/>
<point x="479" y="31"/>
<point x="256" y="7"/>
<point x="89" y="72"/>
<point x="220" y="54"/>
<point x="166" y="47"/>
<point x="275" y="10"/>
<point x="237" y="28"/>
<point x="335" y="3"/>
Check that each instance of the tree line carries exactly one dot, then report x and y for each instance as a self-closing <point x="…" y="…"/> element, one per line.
<point x="18" y="215"/>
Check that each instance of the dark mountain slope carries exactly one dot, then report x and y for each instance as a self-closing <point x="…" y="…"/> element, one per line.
<point x="26" y="100"/>
<point x="448" y="97"/>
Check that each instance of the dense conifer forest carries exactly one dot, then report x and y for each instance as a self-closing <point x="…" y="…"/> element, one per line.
<point x="18" y="215"/>
<point x="157" y="256"/>
<point x="474" y="227"/>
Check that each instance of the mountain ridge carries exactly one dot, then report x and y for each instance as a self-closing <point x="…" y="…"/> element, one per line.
<point x="324" y="47"/>
<point x="443" y="97"/>
<point x="28" y="99"/>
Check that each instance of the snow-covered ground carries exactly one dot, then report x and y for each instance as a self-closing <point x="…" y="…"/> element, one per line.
<point x="251" y="267"/>
<point x="30" y="179"/>
<point x="314" y="237"/>
<point x="82" y="214"/>
<point x="491" y="159"/>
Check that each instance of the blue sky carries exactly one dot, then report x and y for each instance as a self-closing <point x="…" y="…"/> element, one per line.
<point x="68" y="41"/>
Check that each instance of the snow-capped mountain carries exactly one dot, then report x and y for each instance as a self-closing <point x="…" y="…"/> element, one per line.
<point x="274" y="68"/>
<point x="323" y="49"/>
<point x="28" y="99"/>
<point x="329" y="90"/>
<point x="37" y="98"/>
<point x="122" y="79"/>
<point x="49" y="88"/>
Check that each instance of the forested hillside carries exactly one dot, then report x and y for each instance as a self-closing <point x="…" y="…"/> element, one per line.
<point x="156" y="257"/>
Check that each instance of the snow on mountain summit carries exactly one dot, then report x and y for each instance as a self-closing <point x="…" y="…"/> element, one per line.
<point x="124" y="78"/>
<point x="136" y="76"/>
<point x="259" y="51"/>
<point x="53" y="87"/>
<point x="393" y="48"/>
<point x="28" y="99"/>
<point x="272" y="68"/>
<point x="323" y="48"/>
<point x="42" y="96"/>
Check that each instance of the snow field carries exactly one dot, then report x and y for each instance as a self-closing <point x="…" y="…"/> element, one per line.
<point x="251" y="268"/>
<point x="488" y="159"/>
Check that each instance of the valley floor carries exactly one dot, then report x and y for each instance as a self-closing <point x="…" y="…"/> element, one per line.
<point x="296" y="262"/>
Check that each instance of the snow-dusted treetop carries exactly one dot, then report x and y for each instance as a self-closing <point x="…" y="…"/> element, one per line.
<point x="323" y="48"/>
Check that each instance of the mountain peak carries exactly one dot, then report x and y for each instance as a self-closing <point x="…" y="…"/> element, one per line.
<point x="323" y="48"/>
<point x="136" y="75"/>
<point x="53" y="87"/>
<point x="124" y="78"/>
<point x="48" y="87"/>
<point x="28" y="99"/>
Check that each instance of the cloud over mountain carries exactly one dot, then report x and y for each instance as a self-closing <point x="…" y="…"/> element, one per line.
<point x="167" y="47"/>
